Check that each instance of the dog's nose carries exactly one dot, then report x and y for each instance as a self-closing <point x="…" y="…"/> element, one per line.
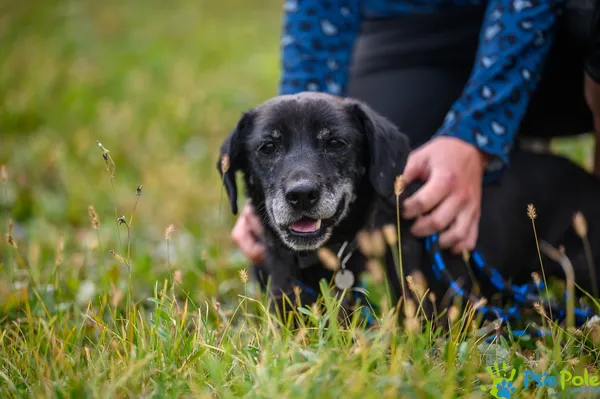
<point x="302" y="196"/>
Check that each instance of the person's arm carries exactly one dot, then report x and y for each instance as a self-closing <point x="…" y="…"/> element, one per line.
<point x="478" y="132"/>
<point x="515" y="39"/>
<point x="316" y="45"/>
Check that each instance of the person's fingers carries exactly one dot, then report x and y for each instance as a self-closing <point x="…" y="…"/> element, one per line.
<point x="415" y="167"/>
<point x="469" y="243"/>
<point x="255" y="251"/>
<point x="255" y="224"/>
<point x="244" y="238"/>
<point x="439" y="185"/>
<point x="440" y="218"/>
<point x="463" y="232"/>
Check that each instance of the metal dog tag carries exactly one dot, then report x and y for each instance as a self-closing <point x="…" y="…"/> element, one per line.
<point x="344" y="279"/>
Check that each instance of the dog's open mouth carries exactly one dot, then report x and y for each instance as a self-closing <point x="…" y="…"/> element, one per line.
<point x="306" y="226"/>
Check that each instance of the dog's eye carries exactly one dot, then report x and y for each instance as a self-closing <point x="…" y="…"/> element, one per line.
<point x="267" y="148"/>
<point x="335" y="144"/>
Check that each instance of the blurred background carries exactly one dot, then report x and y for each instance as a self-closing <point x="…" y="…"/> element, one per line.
<point x="159" y="84"/>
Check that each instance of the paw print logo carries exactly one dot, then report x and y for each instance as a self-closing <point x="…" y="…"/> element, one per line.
<point x="505" y="389"/>
<point x="502" y="386"/>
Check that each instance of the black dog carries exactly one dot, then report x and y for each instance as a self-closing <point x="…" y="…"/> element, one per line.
<point x="319" y="169"/>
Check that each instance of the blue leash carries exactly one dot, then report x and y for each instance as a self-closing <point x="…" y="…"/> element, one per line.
<point x="524" y="295"/>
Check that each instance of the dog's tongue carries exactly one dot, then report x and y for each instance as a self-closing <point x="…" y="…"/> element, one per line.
<point x="306" y="225"/>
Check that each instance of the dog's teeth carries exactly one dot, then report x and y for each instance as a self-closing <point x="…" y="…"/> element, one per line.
<point x="318" y="226"/>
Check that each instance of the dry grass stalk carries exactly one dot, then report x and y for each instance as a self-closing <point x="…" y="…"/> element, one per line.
<point x="581" y="229"/>
<point x="399" y="186"/>
<point x="567" y="267"/>
<point x="532" y="214"/>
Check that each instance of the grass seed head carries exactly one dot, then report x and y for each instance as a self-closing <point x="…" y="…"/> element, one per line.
<point x="297" y="291"/>
<point x="417" y="283"/>
<point x="412" y="325"/>
<point x="178" y="276"/>
<point x="93" y="217"/>
<point x="480" y="303"/>
<point x="580" y="225"/>
<point x="225" y="163"/>
<point x="11" y="241"/>
<point x="378" y="243"/>
<point x="138" y="190"/>
<point x="539" y="309"/>
<point x="59" y="251"/>
<point x="432" y="298"/>
<point x="328" y="258"/>
<point x="399" y="185"/>
<point x="410" y="309"/>
<point x="168" y="231"/>
<point x="536" y="278"/>
<point x="390" y="234"/>
<point x="244" y="276"/>
<point x="531" y="212"/>
<point x="3" y="174"/>
<point x="376" y="270"/>
<point x="364" y="243"/>
<point x="453" y="314"/>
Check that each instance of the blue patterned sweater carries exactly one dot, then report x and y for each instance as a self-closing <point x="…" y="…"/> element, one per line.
<point x="514" y="41"/>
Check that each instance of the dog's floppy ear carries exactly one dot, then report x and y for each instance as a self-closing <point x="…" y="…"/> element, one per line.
<point x="388" y="148"/>
<point x="233" y="158"/>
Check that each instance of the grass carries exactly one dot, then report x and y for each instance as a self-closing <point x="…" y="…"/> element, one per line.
<point x="154" y="304"/>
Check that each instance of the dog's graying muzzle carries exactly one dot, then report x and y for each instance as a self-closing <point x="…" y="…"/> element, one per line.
<point x="302" y="196"/>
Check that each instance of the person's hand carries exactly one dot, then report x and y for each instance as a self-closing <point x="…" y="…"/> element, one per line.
<point x="452" y="171"/>
<point x="246" y="233"/>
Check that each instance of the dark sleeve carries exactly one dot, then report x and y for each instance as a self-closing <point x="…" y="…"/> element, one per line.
<point x="515" y="40"/>
<point x="316" y="45"/>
